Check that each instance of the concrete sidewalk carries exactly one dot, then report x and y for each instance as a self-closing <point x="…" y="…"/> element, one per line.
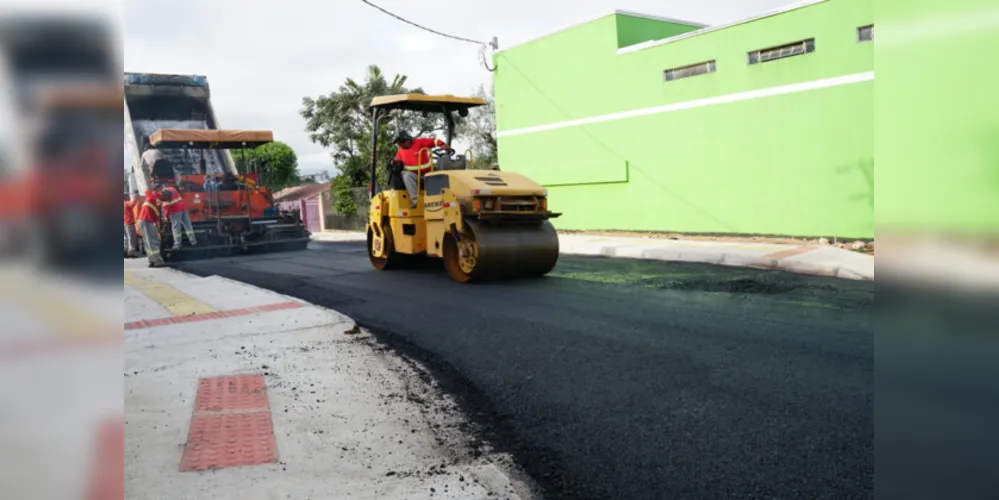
<point x="820" y="260"/>
<point x="236" y="392"/>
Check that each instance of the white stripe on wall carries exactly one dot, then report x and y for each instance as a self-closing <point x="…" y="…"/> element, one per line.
<point x="699" y="103"/>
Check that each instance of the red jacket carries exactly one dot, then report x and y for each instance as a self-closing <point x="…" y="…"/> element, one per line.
<point x="150" y="212"/>
<point x="413" y="157"/>
<point x="175" y="204"/>
<point x="129" y="213"/>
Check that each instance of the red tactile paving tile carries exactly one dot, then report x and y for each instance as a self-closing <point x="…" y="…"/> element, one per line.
<point x="231" y="426"/>
<point x="229" y="440"/>
<point x="149" y="323"/>
<point x="241" y="392"/>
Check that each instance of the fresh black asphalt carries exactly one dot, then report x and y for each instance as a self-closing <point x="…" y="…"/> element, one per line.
<point x="629" y="379"/>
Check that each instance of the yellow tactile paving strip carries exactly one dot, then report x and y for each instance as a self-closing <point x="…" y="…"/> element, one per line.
<point x="173" y="300"/>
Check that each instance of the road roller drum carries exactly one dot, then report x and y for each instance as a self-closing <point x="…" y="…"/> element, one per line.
<point x="491" y="252"/>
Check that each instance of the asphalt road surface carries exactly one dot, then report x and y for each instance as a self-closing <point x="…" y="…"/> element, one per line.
<point x="629" y="379"/>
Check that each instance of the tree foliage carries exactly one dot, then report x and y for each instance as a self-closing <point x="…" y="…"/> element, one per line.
<point x="276" y="163"/>
<point x="343" y="197"/>
<point x="480" y="130"/>
<point x="341" y="121"/>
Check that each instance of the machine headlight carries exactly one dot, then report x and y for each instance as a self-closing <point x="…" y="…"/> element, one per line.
<point x="489" y="203"/>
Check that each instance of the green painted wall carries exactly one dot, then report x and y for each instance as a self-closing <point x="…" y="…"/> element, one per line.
<point x="938" y="139"/>
<point x="795" y="164"/>
<point x="632" y="30"/>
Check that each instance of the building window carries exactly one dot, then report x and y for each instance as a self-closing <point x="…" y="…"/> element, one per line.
<point x="689" y="71"/>
<point x="789" y="50"/>
<point x="865" y="33"/>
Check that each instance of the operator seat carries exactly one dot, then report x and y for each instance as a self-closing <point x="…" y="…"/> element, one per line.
<point x="395" y="181"/>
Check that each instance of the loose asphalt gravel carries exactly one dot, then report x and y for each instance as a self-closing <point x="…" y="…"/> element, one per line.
<point x="628" y="379"/>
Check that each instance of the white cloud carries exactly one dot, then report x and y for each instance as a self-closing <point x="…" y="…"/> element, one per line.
<point x="320" y="158"/>
<point x="417" y="42"/>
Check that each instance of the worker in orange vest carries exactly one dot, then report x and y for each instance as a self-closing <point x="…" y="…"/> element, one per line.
<point x="413" y="160"/>
<point x="131" y="237"/>
<point x="149" y="219"/>
<point x="175" y="210"/>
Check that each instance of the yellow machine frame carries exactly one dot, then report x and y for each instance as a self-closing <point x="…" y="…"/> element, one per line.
<point x="483" y="223"/>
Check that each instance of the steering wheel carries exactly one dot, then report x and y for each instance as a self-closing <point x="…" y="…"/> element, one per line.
<point x="441" y="152"/>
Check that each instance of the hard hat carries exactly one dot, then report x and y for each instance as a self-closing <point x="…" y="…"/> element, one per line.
<point x="402" y="137"/>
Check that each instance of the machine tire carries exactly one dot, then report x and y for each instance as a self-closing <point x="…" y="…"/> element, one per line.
<point x="452" y="262"/>
<point x="392" y="260"/>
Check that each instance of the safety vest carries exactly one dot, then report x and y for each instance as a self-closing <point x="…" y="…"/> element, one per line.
<point x="415" y="153"/>
<point x="176" y="203"/>
<point x="149" y="209"/>
<point x="152" y="207"/>
<point x="129" y="215"/>
<point x="419" y="167"/>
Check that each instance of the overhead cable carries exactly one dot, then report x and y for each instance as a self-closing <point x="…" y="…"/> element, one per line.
<point x="483" y="45"/>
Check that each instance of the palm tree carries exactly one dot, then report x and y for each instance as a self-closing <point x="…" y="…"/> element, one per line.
<point x="341" y="121"/>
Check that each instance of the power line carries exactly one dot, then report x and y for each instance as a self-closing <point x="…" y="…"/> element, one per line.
<point x="424" y="27"/>
<point x="482" y="45"/>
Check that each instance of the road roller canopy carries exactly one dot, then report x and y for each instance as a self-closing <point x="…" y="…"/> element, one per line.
<point x="209" y="139"/>
<point x="426" y="103"/>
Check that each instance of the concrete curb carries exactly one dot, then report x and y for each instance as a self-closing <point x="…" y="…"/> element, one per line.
<point x="821" y="261"/>
<point x="807" y="268"/>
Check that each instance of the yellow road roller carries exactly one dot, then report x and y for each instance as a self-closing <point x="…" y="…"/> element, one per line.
<point x="484" y="224"/>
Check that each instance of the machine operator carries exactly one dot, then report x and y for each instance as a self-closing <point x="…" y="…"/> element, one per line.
<point x="414" y="159"/>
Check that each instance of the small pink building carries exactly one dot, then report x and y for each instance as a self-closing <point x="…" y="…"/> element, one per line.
<point x="311" y="200"/>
